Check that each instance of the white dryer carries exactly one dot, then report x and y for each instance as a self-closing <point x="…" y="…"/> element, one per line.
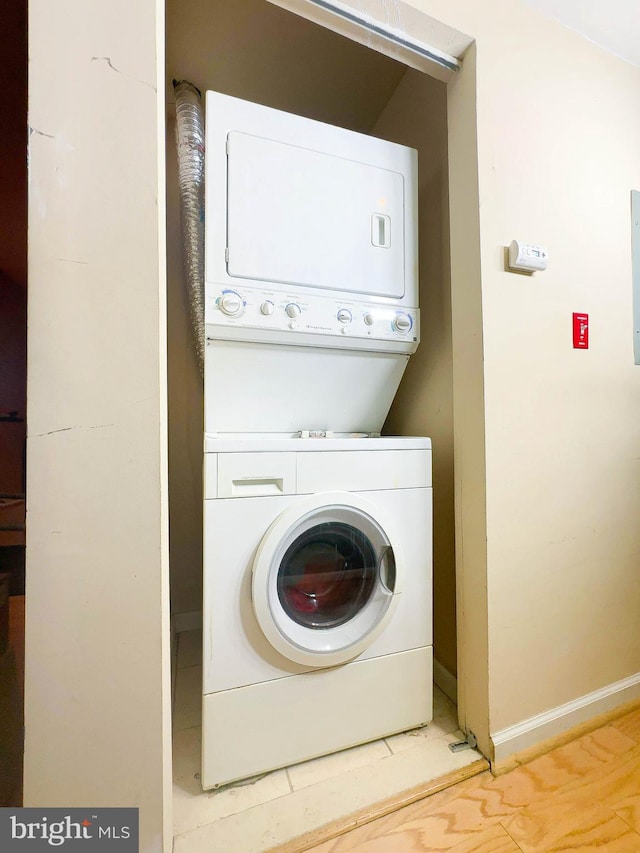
<point x="311" y="285"/>
<point x="317" y="598"/>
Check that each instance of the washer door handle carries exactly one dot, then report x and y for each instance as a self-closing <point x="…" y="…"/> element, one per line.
<point x="387" y="559"/>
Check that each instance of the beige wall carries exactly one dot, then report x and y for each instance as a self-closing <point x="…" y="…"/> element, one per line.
<point x="562" y="425"/>
<point x="416" y="115"/>
<point x="468" y="406"/>
<point x="256" y="51"/>
<point x="561" y="433"/>
<point x="97" y="701"/>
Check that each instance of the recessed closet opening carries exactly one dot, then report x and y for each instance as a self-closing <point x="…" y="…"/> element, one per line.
<point x="265" y="54"/>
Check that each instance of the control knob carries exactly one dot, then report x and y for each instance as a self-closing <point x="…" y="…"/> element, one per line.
<point x="231" y="304"/>
<point x="402" y="322"/>
<point x="344" y="315"/>
<point x="293" y="310"/>
<point x="368" y="318"/>
<point x="267" y="307"/>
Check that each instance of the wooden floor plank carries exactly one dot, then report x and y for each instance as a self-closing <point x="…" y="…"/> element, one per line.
<point x="582" y="811"/>
<point x="435" y="792"/>
<point x="493" y="840"/>
<point x="525" y="756"/>
<point x="612" y="783"/>
<point x="581" y="797"/>
<point x="566" y="764"/>
<point x="629" y="810"/>
<point x="630" y="725"/>
<point x="551" y="830"/>
<point x="444" y="820"/>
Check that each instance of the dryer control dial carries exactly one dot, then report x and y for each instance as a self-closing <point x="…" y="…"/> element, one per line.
<point x="267" y="307"/>
<point x="293" y="310"/>
<point x="344" y="315"/>
<point x="231" y="303"/>
<point x="368" y="319"/>
<point x="402" y="322"/>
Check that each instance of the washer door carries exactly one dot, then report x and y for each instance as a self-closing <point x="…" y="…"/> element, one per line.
<point x="325" y="579"/>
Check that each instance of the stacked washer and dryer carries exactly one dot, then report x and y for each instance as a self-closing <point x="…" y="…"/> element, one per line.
<point x="317" y="531"/>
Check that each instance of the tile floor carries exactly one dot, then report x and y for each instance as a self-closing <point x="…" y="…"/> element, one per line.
<point x="254" y="816"/>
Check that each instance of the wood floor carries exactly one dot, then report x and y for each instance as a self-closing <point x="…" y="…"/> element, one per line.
<point x="582" y="797"/>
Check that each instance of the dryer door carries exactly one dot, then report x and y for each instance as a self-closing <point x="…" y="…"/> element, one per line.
<point x="303" y="217"/>
<point x="326" y="579"/>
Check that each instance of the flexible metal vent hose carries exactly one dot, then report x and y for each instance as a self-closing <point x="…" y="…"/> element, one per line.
<point x="190" y="145"/>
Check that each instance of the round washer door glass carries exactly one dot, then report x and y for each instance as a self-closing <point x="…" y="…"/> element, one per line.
<point x="327" y="575"/>
<point x="325" y="581"/>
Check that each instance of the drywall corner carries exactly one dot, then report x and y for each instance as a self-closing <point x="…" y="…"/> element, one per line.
<point x="468" y="406"/>
<point x="97" y="685"/>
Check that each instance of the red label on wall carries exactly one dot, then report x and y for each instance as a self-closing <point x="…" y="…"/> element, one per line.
<point x="580" y="331"/>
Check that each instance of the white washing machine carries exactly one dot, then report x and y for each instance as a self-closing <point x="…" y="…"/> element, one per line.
<point x="317" y="598"/>
<point x="311" y="272"/>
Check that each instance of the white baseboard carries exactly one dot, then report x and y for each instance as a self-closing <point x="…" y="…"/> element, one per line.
<point x="447" y="682"/>
<point x="181" y="622"/>
<point x="558" y="720"/>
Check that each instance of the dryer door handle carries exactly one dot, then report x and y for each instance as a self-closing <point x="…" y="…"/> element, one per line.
<point x="387" y="569"/>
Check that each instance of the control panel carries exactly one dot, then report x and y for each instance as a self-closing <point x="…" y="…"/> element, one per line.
<point x="276" y="311"/>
